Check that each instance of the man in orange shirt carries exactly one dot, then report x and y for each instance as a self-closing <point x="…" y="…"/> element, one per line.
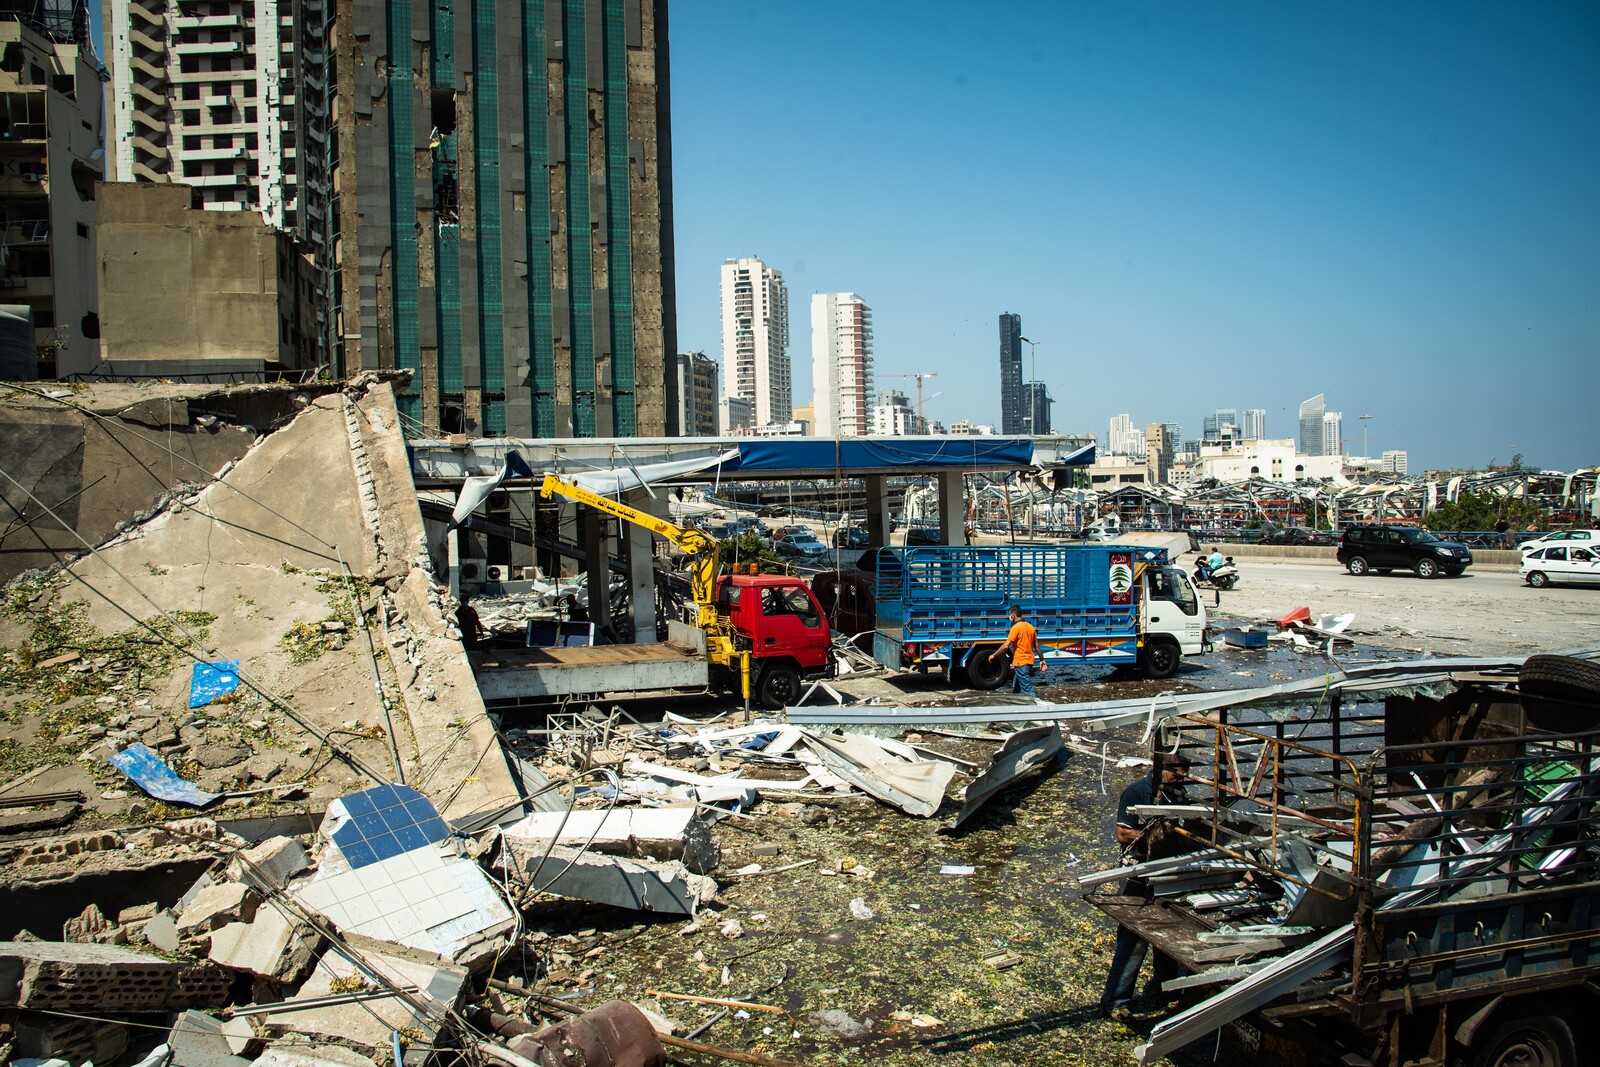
<point x="1023" y="643"/>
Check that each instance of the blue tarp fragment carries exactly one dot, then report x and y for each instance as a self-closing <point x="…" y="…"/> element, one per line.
<point x="213" y="680"/>
<point x="150" y="773"/>
<point x="760" y="741"/>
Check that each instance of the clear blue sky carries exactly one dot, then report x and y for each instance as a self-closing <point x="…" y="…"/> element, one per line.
<point x="1191" y="205"/>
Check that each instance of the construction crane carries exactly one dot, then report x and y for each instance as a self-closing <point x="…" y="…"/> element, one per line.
<point x="922" y="424"/>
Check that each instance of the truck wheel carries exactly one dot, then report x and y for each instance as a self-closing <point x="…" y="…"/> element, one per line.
<point x="1532" y="1041"/>
<point x="1160" y="658"/>
<point x="779" y="687"/>
<point x="1560" y="693"/>
<point x="982" y="674"/>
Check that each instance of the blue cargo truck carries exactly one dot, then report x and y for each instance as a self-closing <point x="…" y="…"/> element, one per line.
<point x="945" y="607"/>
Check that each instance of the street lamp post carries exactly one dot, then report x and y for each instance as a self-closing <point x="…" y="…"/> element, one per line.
<point x="1033" y="376"/>
<point x="1365" y="453"/>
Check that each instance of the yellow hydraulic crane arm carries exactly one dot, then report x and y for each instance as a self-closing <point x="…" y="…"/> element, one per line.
<point x="702" y="549"/>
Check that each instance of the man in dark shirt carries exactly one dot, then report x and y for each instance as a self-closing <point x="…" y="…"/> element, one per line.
<point x="1138" y="838"/>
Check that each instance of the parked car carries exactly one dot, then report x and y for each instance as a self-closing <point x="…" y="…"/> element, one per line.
<point x="850" y="537"/>
<point x="1296" y="535"/>
<point x="800" y="545"/>
<point x="1382" y="548"/>
<point x="1589" y="539"/>
<point x="783" y="533"/>
<point x="1561" y="563"/>
<point x="922" y="535"/>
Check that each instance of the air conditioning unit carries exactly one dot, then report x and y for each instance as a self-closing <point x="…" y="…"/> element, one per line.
<point x="474" y="570"/>
<point x="30" y="176"/>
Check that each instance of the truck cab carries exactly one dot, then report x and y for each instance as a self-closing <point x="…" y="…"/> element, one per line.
<point x="1173" y="620"/>
<point x="779" y="622"/>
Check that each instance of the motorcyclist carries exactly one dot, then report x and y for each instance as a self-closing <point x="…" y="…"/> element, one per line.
<point x="1216" y="559"/>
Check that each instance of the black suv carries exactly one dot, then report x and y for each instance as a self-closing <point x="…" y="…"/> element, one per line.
<point x="1367" y="548"/>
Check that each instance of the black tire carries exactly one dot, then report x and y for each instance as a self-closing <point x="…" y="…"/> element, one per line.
<point x="1357" y="566"/>
<point x="779" y="687"/>
<point x="1538" y="579"/>
<point x="1559" y="693"/>
<point x="1228" y="581"/>
<point x="981" y="674"/>
<point x="1531" y="1041"/>
<point x="1160" y="658"/>
<point x="1427" y="567"/>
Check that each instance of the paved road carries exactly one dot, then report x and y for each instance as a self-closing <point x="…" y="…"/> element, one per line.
<point x="1480" y="613"/>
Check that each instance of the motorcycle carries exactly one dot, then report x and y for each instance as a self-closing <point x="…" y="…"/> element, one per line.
<point x="1224" y="576"/>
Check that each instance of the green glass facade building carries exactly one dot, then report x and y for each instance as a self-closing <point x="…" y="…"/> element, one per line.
<point x="509" y="236"/>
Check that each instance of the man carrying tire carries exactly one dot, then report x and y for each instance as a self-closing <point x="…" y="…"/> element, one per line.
<point x="1022" y="641"/>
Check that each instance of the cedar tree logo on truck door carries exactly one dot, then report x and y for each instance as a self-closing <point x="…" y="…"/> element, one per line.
<point x="1121" y="578"/>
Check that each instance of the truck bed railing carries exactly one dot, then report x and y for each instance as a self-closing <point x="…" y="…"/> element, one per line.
<point x="1380" y="817"/>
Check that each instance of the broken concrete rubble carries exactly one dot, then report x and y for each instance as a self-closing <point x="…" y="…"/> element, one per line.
<point x="653" y="833"/>
<point x="435" y="988"/>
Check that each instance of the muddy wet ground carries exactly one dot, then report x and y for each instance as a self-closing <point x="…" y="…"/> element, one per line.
<point x="910" y="985"/>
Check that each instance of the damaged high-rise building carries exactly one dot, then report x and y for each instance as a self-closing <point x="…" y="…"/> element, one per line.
<point x="504" y="206"/>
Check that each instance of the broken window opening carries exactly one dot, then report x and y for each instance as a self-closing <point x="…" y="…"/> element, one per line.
<point x="444" y="111"/>
<point x="447" y="198"/>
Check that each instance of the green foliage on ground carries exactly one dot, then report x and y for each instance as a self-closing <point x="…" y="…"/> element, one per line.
<point x="59" y="698"/>
<point x="1483" y="511"/>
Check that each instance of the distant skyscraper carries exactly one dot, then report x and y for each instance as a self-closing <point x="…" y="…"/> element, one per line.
<point x="1123" y="440"/>
<point x="1211" y="426"/>
<point x="1311" y="413"/>
<point x="1159" y="445"/>
<point x="1394" y="461"/>
<point x="1011" y="407"/>
<point x="841" y="365"/>
<point x="1255" y="424"/>
<point x="1332" y="440"/>
<point x="1036" y="405"/>
<point x="893" y="415"/>
<point x="755" y="340"/>
<point x="697" y="394"/>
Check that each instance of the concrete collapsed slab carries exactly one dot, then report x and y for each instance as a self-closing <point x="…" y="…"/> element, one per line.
<point x="636" y="884"/>
<point x="275" y="520"/>
<point x="651" y="833"/>
<point x="64" y="976"/>
<point x="389" y="870"/>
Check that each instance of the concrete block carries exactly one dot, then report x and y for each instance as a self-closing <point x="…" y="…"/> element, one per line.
<point x="95" y="979"/>
<point x="311" y="1055"/>
<point x="74" y="1040"/>
<point x="162" y="931"/>
<point x="91" y="926"/>
<point x="137" y="914"/>
<point x="216" y="906"/>
<point x="369" y="1022"/>
<point x="273" y="946"/>
<point x="277" y="858"/>
<point x="198" y="1040"/>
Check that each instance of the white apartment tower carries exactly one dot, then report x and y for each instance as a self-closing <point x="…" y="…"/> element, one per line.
<point x="230" y="97"/>
<point x="1124" y="439"/>
<point x="841" y="365"/>
<point x="1332" y="440"/>
<point x="755" y="341"/>
<point x="1394" y="461"/>
<point x="1254" y="427"/>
